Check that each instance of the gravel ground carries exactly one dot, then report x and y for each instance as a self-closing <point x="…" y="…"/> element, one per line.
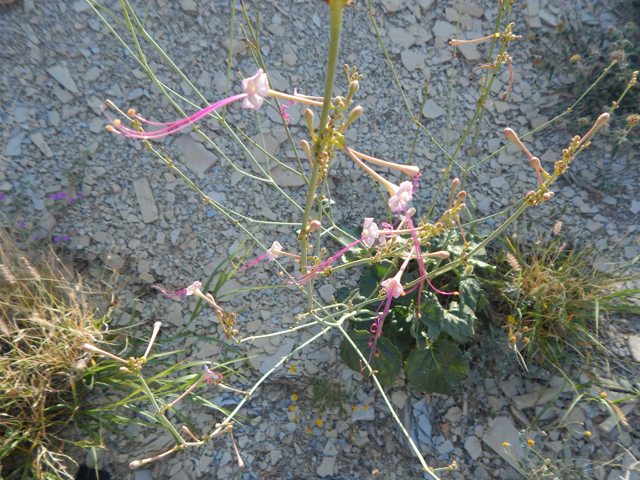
<point x="130" y="213"/>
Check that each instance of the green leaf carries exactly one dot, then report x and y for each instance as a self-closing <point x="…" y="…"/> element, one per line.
<point x="459" y="321"/>
<point x="469" y="292"/>
<point x="369" y="285"/>
<point x="437" y="369"/>
<point x="388" y="364"/>
<point x="373" y="275"/>
<point x="479" y="263"/>
<point x="432" y="315"/>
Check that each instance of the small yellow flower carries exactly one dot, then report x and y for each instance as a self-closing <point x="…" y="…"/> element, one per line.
<point x="355" y="407"/>
<point x="505" y="444"/>
<point x="294" y="397"/>
<point x="292" y="369"/>
<point x="295" y="420"/>
<point x="292" y="408"/>
<point x="351" y="438"/>
<point x="587" y="433"/>
<point x="513" y="338"/>
<point x="526" y="340"/>
<point x="365" y="408"/>
<point x="319" y="423"/>
<point x="511" y="320"/>
<point x="308" y="430"/>
<point x="531" y="442"/>
<point x="603" y="394"/>
<point x="575" y="58"/>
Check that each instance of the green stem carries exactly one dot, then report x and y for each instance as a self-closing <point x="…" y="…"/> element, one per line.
<point x="335" y="7"/>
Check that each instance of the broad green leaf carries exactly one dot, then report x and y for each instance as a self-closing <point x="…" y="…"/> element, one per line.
<point x="469" y="292"/>
<point x="437" y="369"/>
<point x="432" y="315"/>
<point x="388" y="363"/>
<point x="459" y="321"/>
<point x="369" y="285"/>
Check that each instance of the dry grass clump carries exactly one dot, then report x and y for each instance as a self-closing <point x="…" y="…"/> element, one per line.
<point x="46" y="313"/>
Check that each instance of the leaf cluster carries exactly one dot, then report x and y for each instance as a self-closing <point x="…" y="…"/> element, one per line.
<point x="425" y="343"/>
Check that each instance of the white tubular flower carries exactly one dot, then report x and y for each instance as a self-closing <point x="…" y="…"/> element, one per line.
<point x="191" y="289"/>
<point x="369" y="232"/>
<point x="256" y="88"/>
<point x="403" y="196"/>
<point x="393" y="287"/>
<point x="273" y="252"/>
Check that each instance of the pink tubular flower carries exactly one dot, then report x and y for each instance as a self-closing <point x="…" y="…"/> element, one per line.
<point x="369" y="232"/>
<point x="256" y="89"/>
<point x="273" y="252"/>
<point x="212" y="375"/>
<point x="393" y="289"/>
<point x="271" y="255"/>
<point x="190" y="290"/>
<point x="393" y="286"/>
<point x="404" y="194"/>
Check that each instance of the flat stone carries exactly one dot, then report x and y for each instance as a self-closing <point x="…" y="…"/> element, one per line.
<point x="548" y="18"/>
<point x="432" y="110"/>
<point x="361" y="413"/>
<point x="23" y="114"/>
<point x="326" y="292"/>
<point x="469" y="52"/>
<point x="473" y="10"/>
<point x="41" y="143"/>
<point x="82" y="6"/>
<point x="509" y="388"/>
<point x="530" y="400"/>
<point x="635" y="206"/>
<point x="63" y="76"/>
<point x="114" y="261"/>
<point x="399" y="398"/>
<point x="275" y="456"/>
<point x="593" y="226"/>
<point x="174" y="315"/>
<point x="330" y="449"/>
<point x="503" y="431"/>
<point x="326" y="467"/>
<point x="267" y="362"/>
<point x="45" y="226"/>
<point x="189" y="6"/>
<point x="495" y="403"/>
<point x="286" y="178"/>
<point x="13" y="148"/>
<point x="634" y="347"/>
<point x="268" y="143"/>
<point x="473" y="446"/>
<point x="237" y="46"/>
<point x="140" y="474"/>
<point x="393" y="5"/>
<point x="289" y="56"/>
<point x="574" y="421"/>
<point x="446" y="447"/>
<point x="401" y="37"/>
<point x="498" y="182"/>
<point x="413" y="60"/>
<point x="146" y="201"/>
<point x="278" y="81"/>
<point x="453" y="414"/>
<point x="92" y="74"/>
<point x="194" y="155"/>
<point x="444" y="29"/>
